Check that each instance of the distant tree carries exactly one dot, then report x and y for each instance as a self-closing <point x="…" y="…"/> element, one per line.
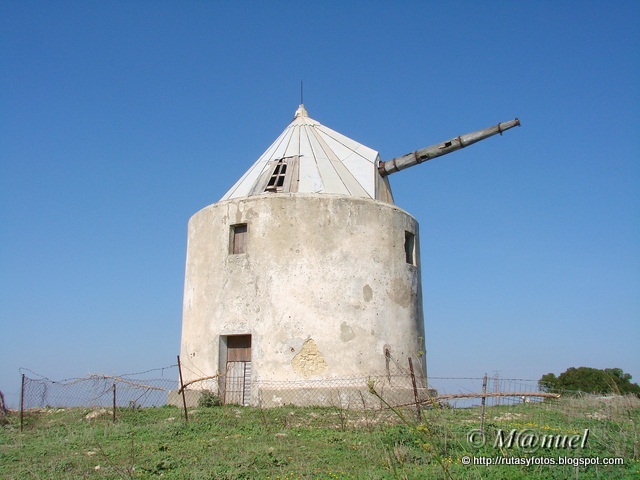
<point x="590" y="380"/>
<point x="548" y="382"/>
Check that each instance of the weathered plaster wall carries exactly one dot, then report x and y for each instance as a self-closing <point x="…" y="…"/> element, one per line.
<point x="323" y="287"/>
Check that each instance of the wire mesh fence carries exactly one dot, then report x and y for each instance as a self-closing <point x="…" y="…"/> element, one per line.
<point x="153" y="387"/>
<point x="137" y="390"/>
<point x="352" y="392"/>
<point x="455" y="405"/>
<point x="465" y="392"/>
<point x="380" y="392"/>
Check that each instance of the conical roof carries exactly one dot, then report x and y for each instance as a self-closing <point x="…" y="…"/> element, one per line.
<point x="311" y="158"/>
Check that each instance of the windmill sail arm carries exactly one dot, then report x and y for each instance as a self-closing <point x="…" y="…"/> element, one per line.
<point x="437" y="150"/>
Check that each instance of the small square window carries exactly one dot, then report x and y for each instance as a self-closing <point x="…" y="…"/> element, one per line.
<point x="276" y="182"/>
<point x="238" y="238"/>
<point x="410" y="247"/>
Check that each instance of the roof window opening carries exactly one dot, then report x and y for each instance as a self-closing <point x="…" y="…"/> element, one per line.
<point x="238" y="241"/>
<point x="410" y="247"/>
<point x="276" y="182"/>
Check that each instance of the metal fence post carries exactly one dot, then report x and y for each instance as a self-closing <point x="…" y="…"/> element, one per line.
<point x="415" y="390"/>
<point x="184" y="400"/>
<point x="22" y="403"/>
<point x="114" y="402"/>
<point x="484" y="398"/>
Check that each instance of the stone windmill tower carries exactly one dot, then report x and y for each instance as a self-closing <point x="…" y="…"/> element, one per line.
<point x="305" y="270"/>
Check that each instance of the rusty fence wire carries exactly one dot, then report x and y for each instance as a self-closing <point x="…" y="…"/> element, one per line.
<point x="466" y="392"/>
<point x="158" y="387"/>
<point x="134" y="390"/>
<point x="376" y="390"/>
<point x="351" y="392"/>
<point x="453" y="405"/>
<point x="398" y="385"/>
<point x="379" y="390"/>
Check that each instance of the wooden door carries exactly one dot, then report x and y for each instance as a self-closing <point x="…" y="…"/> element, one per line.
<point x="238" y="377"/>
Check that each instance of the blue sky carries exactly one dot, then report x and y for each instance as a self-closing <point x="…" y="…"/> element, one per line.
<point x="120" y="120"/>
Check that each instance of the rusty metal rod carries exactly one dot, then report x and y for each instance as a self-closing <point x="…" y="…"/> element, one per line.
<point x="415" y="390"/>
<point x="22" y="404"/>
<point x="114" y="402"/>
<point x="184" y="400"/>
<point x="484" y="401"/>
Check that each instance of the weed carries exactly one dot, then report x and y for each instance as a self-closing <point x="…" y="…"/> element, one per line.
<point x="209" y="399"/>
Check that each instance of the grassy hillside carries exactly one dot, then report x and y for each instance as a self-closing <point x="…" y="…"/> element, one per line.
<point x="305" y="443"/>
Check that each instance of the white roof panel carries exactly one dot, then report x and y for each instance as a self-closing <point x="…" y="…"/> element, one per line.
<point x="324" y="160"/>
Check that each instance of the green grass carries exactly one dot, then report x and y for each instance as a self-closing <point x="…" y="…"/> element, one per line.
<point x="308" y="443"/>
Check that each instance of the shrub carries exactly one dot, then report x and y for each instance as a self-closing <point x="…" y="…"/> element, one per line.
<point x="209" y="399"/>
